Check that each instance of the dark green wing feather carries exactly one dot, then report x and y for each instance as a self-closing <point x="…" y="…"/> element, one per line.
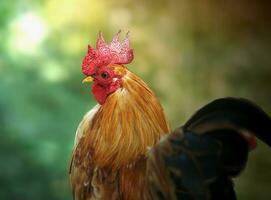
<point x="197" y="160"/>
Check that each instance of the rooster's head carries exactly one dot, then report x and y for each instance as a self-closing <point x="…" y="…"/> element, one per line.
<point x="104" y="65"/>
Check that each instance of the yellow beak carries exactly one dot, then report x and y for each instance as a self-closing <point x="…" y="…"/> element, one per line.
<point x="87" y="79"/>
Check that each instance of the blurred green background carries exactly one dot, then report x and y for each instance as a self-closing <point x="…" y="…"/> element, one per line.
<point x="188" y="51"/>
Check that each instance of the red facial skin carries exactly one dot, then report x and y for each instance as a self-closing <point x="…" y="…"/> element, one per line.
<point x="105" y="83"/>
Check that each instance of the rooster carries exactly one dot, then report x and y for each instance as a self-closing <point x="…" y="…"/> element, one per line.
<point x="112" y="141"/>
<point x="122" y="148"/>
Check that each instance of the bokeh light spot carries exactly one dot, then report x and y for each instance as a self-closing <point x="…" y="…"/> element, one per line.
<point x="27" y="32"/>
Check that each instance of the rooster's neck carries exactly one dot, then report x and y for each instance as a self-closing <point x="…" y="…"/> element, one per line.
<point x="130" y="121"/>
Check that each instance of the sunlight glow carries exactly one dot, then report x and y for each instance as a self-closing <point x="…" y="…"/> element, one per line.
<point x="28" y="31"/>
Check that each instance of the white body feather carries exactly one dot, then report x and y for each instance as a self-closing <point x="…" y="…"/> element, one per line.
<point x="86" y="119"/>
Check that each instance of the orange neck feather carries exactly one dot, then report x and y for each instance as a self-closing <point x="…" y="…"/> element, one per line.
<point x="128" y="122"/>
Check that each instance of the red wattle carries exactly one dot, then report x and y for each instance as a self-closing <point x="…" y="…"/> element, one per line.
<point x="100" y="93"/>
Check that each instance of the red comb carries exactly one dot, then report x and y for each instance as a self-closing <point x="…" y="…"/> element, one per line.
<point x="116" y="52"/>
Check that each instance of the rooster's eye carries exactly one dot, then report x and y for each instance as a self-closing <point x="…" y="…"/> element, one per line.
<point x="105" y="75"/>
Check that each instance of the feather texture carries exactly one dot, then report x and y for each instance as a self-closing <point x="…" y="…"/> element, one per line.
<point x="199" y="159"/>
<point x="110" y="156"/>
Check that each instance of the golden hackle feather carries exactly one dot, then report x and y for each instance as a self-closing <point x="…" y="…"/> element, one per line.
<point x="118" y="137"/>
<point x="130" y="121"/>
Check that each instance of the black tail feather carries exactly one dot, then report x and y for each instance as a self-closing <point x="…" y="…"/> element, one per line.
<point x="199" y="159"/>
<point x="232" y="113"/>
